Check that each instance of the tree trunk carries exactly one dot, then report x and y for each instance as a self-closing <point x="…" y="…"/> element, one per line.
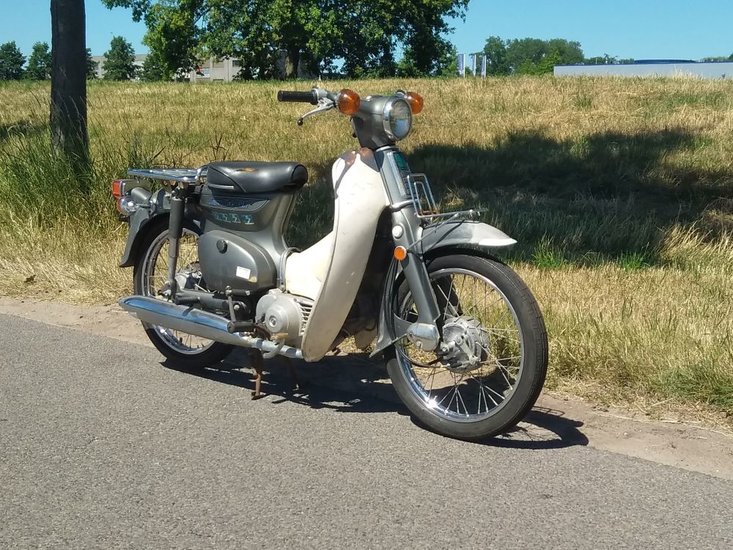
<point x="292" y="61"/>
<point x="68" y="80"/>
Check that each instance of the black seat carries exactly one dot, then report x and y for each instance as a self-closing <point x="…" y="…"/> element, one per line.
<point x="256" y="177"/>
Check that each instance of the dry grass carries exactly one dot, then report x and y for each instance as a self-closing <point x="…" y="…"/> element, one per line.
<point x="618" y="190"/>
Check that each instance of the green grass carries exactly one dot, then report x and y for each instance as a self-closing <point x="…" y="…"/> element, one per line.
<point x="619" y="191"/>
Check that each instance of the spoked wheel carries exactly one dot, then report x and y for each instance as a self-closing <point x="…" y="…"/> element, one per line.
<point x="150" y="279"/>
<point x="492" y="362"/>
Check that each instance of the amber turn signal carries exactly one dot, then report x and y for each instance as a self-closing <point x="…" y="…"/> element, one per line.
<point x="400" y="253"/>
<point x="348" y="101"/>
<point x="416" y="102"/>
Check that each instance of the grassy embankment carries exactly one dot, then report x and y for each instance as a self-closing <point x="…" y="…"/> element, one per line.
<point x="620" y="193"/>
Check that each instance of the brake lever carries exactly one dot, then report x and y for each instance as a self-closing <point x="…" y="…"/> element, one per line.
<point x="324" y="104"/>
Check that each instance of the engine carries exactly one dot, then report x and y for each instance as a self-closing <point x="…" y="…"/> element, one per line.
<point x="284" y="316"/>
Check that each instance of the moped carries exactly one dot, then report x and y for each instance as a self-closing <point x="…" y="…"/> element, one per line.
<point x="462" y="336"/>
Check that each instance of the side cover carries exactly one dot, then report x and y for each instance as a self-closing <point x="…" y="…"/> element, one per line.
<point x="330" y="272"/>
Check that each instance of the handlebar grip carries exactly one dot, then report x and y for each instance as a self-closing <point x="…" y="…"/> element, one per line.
<point x="298" y="97"/>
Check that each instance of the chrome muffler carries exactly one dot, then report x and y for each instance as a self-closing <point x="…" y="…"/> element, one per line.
<point x="199" y="323"/>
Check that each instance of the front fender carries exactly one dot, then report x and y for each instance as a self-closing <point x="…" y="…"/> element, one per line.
<point x="463" y="234"/>
<point x="460" y="234"/>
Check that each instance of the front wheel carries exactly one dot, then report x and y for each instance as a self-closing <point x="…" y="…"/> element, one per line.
<point x="491" y="364"/>
<point x="150" y="279"/>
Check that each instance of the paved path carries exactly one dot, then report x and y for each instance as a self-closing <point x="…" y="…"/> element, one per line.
<point x="101" y="446"/>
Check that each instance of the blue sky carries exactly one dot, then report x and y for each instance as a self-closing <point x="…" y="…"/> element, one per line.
<point x="641" y="29"/>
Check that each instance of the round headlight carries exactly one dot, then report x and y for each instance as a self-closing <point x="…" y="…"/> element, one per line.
<point x="397" y="119"/>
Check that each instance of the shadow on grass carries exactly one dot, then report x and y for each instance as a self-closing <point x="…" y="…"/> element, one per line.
<point x="605" y="197"/>
<point x="354" y="384"/>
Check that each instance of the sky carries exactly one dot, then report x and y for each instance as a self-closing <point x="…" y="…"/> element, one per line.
<point x="639" y="29"/>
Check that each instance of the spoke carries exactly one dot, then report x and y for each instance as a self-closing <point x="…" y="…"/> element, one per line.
<point x="501" y="370"/>
<point x="481" y="386"/>
<point x="492" y="390"/>
<point x="447" y="301"/>
<point x="463" y="402"/>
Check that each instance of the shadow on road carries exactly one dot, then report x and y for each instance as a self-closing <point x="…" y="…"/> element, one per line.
<point x="354" y="384"/>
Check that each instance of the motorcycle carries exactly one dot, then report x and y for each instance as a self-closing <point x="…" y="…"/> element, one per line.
<point x="462" y="336"/>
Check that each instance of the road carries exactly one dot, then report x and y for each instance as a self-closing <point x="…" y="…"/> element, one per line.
<point x="102" y="446"/>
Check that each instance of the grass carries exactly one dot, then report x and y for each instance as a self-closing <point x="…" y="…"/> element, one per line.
<point x="619" y="192"/>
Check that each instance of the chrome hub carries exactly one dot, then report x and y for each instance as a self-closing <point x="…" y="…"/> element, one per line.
<point x="465" y="345"/>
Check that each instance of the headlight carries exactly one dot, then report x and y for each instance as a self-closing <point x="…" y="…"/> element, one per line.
<point x="397" y="119"/>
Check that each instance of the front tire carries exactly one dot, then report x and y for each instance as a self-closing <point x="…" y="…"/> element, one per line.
<point x="493" y="364"/>
<point x="150" y="276"/>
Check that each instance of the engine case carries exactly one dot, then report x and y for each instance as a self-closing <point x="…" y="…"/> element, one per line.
<point x="228" y="260"/>
<point x="283" y="315"/>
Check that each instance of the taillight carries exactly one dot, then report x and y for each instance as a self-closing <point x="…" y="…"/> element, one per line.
<point x="124" y="204"/>
<point x="118" y="189"/>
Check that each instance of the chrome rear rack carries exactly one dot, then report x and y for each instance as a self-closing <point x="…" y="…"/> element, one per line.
<point x="179" y="175"/>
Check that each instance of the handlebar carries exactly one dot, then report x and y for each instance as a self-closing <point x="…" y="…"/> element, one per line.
<point x="298" y="97"/>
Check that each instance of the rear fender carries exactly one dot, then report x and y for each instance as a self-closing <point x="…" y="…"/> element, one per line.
<point x="140" y="221"/>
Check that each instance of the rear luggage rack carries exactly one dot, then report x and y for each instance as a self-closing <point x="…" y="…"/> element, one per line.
<point x="180" y="175"/>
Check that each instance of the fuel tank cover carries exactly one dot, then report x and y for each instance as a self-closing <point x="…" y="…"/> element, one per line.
<point x="221" y="246"/>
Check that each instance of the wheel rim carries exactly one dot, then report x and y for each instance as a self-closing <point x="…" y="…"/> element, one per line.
<point x="155" y="277"/>
<point x="469" y="387"/>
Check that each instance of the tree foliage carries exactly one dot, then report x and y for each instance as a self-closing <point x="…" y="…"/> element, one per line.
<point x="495" y="52"/>
<point x="91" y="66"/>
<point x="119" y="62"/>
<point x="274" y="38"/>
<point x="39" y="62"/>
<point x="154" y="69"/>
<point x="529" y="55"/>
<point x="11" y="62"/>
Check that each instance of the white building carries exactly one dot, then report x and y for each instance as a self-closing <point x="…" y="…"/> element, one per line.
<point x="662" y="68"/>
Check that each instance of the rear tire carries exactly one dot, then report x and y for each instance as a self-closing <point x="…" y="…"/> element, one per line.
<point x="487" y="391"/>
<point x="182" y="350"/>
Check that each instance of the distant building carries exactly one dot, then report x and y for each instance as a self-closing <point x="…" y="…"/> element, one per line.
<point x="99" y="60"/>
<point x="214" y="70"/>
<point x="651" y="68"/>
<point x="211" y="70"/>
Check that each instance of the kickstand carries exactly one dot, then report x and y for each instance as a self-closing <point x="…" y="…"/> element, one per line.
<point x="256" y="359"/>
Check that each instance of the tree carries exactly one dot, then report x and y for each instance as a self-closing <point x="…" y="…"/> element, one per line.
<point x="496" y="60"/>
<point x="68" y="80"/>
<point x="535" y="56"/>
<point x="39" y="62"/>
<point x="11" y="62"/>
<point x="274" y="38"/>
<point x="605" y="59"/>
<point x="91" y="66"/>
<point x="154" y="69"/>
<point x="119" y="61"/>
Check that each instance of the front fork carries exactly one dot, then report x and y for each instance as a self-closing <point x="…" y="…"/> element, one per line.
<point x="424" y="332"/>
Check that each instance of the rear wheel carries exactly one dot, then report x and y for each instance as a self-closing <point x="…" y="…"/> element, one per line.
<point x="492" y="362"/>
<point x="150" y="279"/>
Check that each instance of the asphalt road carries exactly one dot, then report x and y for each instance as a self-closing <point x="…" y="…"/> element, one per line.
<point x="101" y="446"/>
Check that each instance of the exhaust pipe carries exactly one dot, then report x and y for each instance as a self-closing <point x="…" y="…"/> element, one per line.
<point x="199" y="323"/>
